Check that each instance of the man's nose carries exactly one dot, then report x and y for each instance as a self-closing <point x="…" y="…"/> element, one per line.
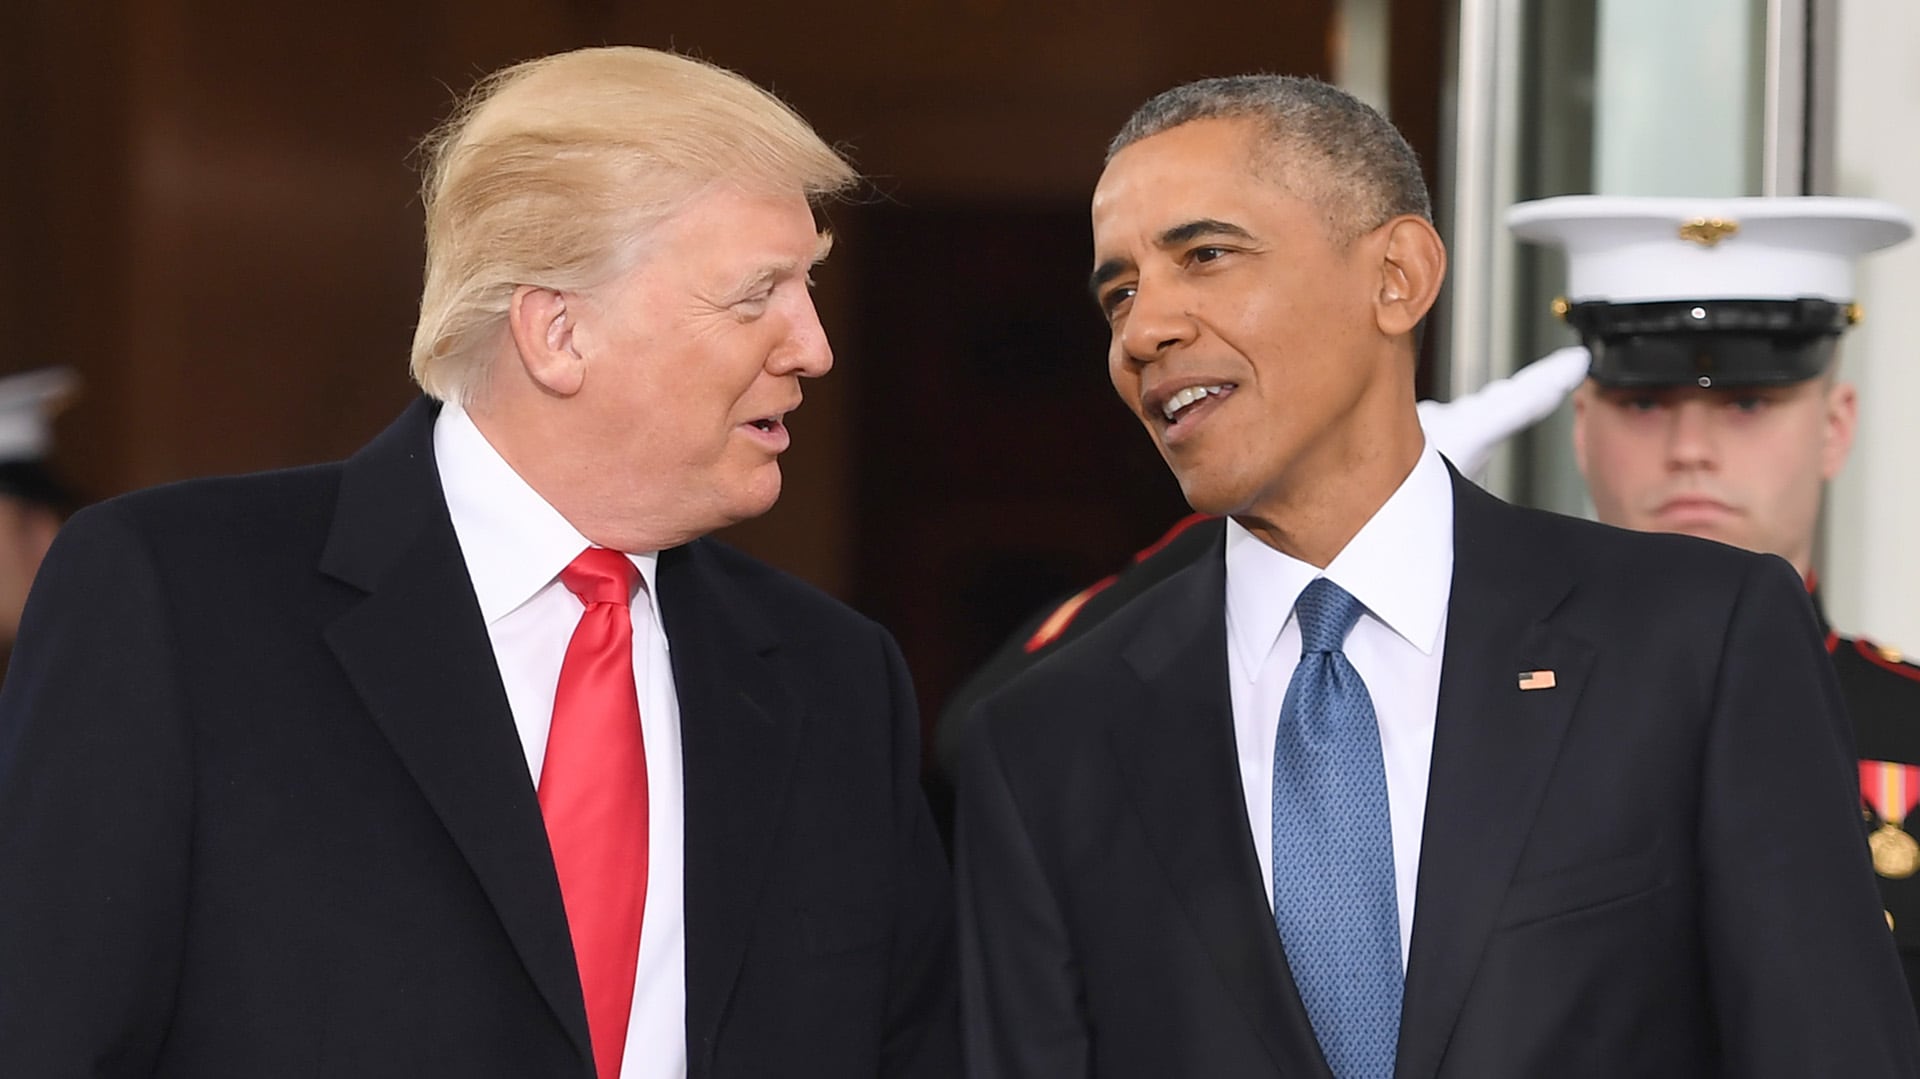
<point x="1157" y="321"/>
<point x="806" y="351"/>
<point x="1693" y="435"/>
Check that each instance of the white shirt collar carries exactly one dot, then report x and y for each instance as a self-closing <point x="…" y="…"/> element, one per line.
<point x="1399" y="565"/>
<point x="514" y="541"/>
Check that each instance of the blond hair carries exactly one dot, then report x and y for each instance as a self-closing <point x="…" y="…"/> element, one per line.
<point x="553" y="171"/>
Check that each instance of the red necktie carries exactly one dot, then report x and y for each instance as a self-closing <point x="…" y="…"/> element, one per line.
<point x="593" y="795"/>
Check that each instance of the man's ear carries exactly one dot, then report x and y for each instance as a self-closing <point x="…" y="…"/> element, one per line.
<point x="542" y="322"/>
<point x="1582" y="400"/>
<point x="1413" y="262"/>
<point x="1842" y="420"/>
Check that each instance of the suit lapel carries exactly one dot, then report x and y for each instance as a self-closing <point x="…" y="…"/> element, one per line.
<point x="1176" y="751"/>
<point x="739" y="735"/>
<point x="417" y="652"/>
<point x="1494" y="747"/>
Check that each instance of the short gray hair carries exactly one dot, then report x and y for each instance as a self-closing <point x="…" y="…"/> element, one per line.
<point x="1360" y="170"/>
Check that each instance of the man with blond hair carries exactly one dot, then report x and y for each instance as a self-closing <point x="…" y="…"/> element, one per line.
<point x="469" y="756"/>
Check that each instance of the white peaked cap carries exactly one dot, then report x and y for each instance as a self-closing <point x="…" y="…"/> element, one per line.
<point x="28" y="402"/>
<point x="1640" y="250"/>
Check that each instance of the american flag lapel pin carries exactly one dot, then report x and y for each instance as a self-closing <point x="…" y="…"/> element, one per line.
<point x="1536" y="680"/>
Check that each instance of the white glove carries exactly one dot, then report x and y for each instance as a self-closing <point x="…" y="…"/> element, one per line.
<point x="1467" y="430"/>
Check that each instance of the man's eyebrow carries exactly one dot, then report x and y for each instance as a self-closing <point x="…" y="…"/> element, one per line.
<point x="784" y="268"/>
<point x="1206" y="226"/>
<point x="1179" y="234"/>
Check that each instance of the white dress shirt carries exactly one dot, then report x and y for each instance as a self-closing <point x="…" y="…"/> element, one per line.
<point x="1400" y="566"/>
<point x="515" y="545"/>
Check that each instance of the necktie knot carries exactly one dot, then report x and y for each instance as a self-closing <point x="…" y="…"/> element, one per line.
<point x="600" y="575"/>
<point x="1327" y="613"/>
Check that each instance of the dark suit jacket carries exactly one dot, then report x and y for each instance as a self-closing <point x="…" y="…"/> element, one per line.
<point x="1654" y="868"/>
<point x="264" y="813"/>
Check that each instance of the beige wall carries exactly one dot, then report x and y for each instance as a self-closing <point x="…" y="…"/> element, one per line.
<point x="1872" y="571"/>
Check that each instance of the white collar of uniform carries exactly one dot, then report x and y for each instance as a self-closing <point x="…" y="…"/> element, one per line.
<point x="514" y="541"/>
<point x="1399" y="565"/>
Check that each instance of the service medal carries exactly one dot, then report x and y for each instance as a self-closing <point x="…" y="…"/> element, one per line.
<point x="1891" y="789"/>
<point x="1895" y="854"/>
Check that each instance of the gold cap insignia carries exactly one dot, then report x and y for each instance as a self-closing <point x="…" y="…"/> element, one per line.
<point x="1708" y="231"/>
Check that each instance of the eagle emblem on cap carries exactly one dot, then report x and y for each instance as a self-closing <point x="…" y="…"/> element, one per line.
<point x="1708" y="231"/>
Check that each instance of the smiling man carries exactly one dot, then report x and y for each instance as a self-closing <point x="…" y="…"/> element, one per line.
<point x="1399" y="780"/>
<point x="1715" y="409"/>
<point x="468" y="756"/>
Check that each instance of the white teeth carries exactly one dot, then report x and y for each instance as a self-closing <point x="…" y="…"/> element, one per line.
<point x="1188" y="396"/>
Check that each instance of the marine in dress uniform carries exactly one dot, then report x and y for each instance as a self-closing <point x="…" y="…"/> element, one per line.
<point x="1731" y="297"/>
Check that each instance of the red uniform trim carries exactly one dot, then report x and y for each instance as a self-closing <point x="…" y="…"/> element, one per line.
<point x="1063" y="615"/>
<point x="1872" y="652"/>
<point x="1172" y="534"/>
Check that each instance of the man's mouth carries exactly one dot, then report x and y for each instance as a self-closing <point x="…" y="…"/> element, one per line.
<point x="1684" y="508"/>
<point x="1187" y="402"/>
<point x="770" y="432"/>
<point x="1184" y="407"/>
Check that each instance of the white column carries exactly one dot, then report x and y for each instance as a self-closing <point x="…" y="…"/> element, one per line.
<point x="1872" y="569"/>
<point x="1484" y="73"/>
<point x="1361" y="42"/>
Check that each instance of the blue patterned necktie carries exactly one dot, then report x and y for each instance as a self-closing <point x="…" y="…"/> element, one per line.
<point x="1333" y="886"/>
